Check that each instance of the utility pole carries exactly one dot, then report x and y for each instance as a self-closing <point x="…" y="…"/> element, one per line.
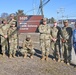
<point x="62" y="11"/>
<point x="34" y="7"/>
<point x="41" y="8"/>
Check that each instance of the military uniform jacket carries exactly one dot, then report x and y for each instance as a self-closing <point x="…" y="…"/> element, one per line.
<point x="1" y="29"/>
<point x="56" y="32"/>
<point x="44" y="32"/>
<point x="27" y="44"/>
<point x="14" y="35"/>
<point x="4" y="29"/>
<point x="12" y="21"/>
<point x="67" y="33"/>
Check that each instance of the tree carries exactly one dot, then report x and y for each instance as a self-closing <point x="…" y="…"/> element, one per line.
<point x="51" y="20"/>
<point x="4" y="15"/>
<point x="19" y="13"/>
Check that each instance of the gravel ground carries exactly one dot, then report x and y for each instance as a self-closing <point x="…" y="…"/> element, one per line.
<point x="27" y="66"/>
<point x="22" y="66"/>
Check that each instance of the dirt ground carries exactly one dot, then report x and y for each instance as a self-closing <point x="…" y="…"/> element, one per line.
<point x="27" y="66"/>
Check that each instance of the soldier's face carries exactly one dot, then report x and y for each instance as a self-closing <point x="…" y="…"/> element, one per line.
<point x="11" y="17"/>
<point x="4" y="22"/>
<point x="44" y="22"/>
<point x="55" y="23"/>
<point x="65" y="23"/>
<point x="27" y="39"/>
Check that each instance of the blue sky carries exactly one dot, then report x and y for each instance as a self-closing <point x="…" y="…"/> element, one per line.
<point x="50" y="9"/>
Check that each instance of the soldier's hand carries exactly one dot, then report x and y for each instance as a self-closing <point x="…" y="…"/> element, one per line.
<point x="63" y="40"/>
<point x="54" y="39"/>
<point x="9" y="41"/>
<point x="5" y="36"/>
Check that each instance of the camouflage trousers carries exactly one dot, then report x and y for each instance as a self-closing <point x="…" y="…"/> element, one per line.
<point x="25" y="50"/>
<point x="45" y="46"/>
<point x="5" y="45"/>
<point x="13" y="46"/>
<point x="66" y="51"/>
<point x="55" y="46"/>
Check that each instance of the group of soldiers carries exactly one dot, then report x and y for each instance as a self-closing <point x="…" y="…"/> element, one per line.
<point x="7" y="29"/>
<point x="59" y="39"/>
<point x="9" y="39"/>
<point x="56" y="38"/>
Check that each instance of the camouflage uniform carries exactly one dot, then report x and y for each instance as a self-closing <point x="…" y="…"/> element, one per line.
<point x="28" y="47"/>
<point x="44" y="31"/>
<point x="12" y="20"/>
<point x="66" y="43"/>
<point x="0" y="38"/>
<point x="55" y="45"/>
<point x="4" y="31"/>
<point x="0" y="32"/>
<point x="12" y="40"/>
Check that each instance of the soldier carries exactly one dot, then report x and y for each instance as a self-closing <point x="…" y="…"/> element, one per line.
<point x="28" y="47"/>
<point x="44" y="31"/>
<point x="66" y="42"/>
<point x="12" y="20"/>
<point x="0" y="38"/>
<point x="55" y="40"/>
<point x="12" y="40"/>
<point x="74" y="38"/>
<point x="4" y="29"/>
<point x="73" y="53"/>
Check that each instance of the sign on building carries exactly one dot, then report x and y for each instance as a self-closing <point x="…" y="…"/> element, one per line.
<point x="28" y="23"/>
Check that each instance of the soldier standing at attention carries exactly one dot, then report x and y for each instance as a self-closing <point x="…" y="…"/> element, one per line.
<point x="12" y="40"/>
<point x="74" y="38"/>
<point x="73" y="54"/>
<point x="12" y="20"/>
<point x="66" y="42"/>
<point x="28" y="47"/>
<point x="55" y="40"/>
<point x="0" y="38"/>
<point x="4" y="29"/>
<point x="44" y="31"/>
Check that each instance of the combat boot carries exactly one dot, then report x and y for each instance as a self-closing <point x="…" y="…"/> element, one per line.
<point x="68" y="63"/>
<point x="46" y="58"/>
<point x="10" y="56"/>
<point x="62" y="61"/>
<point x="43" y="57"/>
<point x="14" y="55"/>
<point x="3" y="54"/>
<point x="31" y="56"/>
<point x="58" y="60"/>
<point x="25" y="55"/>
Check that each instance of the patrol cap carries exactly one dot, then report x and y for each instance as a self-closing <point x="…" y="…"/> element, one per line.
<point x="11" y="14"/>
<point x="55" y="21"/>
<point x="13" y="23"/>
<point x="28" y="36"/>
<point x="65" y="21"/>
<point x="4" y="19"/>
<point x="44" y="19"/>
